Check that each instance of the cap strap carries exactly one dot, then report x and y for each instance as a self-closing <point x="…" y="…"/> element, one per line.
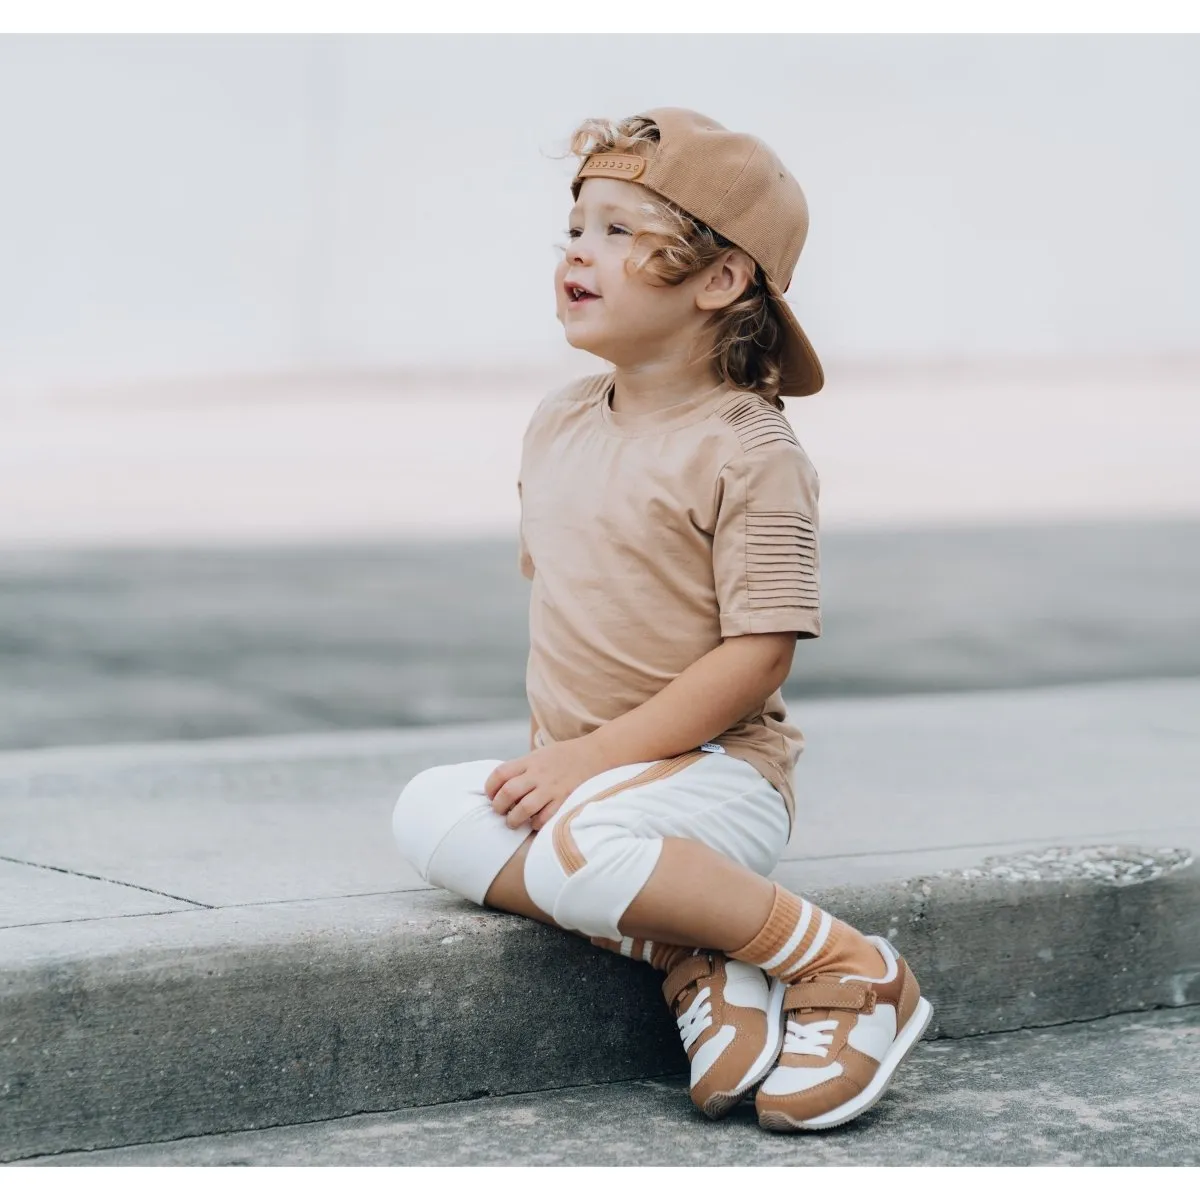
<point x="612" y="166"/>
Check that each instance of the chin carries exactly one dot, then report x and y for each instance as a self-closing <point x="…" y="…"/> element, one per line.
<point x="580" y="340"/>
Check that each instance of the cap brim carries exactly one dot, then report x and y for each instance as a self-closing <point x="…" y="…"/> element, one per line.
<point x="802" y="373"/>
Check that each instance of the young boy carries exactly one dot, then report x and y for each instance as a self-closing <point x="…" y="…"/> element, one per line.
<point x="669" y="528"/>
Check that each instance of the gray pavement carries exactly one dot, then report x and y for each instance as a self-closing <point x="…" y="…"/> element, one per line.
<point x="215" y="933"/>
<point x="197" y="937"/>
<point x="887" y="788"/>
<point x="139" y="645"/>
<point x="1117" y="1092"/>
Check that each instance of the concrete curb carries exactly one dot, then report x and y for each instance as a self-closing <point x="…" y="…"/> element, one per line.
<point x="192" y="1022"/>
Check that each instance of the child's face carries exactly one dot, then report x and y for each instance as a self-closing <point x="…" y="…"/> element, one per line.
<point x="626" y="318"/>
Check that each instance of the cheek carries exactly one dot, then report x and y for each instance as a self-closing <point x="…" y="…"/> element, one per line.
<point x="641" y="302"/>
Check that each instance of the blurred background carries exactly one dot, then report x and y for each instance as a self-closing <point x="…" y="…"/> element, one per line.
<point x="274" y="311"/>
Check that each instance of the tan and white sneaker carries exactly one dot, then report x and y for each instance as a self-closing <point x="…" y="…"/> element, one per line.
<point x="843" y="1040"/>
<point x="730" y="1019"/>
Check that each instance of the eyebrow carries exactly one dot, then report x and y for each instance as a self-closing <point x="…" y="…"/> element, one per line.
<point x="602" y="208"/>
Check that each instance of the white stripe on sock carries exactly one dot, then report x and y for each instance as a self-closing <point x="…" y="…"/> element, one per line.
<point x="647" y="951"/>
<point x="820" y="940"/>
<point x="795" y="940"/>
<point x="627" y="947"/>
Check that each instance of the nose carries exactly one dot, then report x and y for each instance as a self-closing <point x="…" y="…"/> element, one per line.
<point x="577" y="252"/>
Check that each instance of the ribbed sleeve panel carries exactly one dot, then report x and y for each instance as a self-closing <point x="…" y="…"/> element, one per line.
<point x="781" y="560"/>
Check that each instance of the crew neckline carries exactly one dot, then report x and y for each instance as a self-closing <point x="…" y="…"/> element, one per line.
<point x="674" y="416"/>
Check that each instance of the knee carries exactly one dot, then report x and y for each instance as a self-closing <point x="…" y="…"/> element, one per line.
<point x="591" y="896"/>
<point x="431" y="804"/>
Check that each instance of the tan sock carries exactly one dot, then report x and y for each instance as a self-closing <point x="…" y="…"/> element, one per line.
<point x="800" y="940"/>
<point x="657" y="954"/>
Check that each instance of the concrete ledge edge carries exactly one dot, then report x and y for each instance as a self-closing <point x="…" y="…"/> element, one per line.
<point x="149" y="1029"/>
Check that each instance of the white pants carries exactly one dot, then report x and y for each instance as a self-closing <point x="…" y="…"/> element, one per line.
<point x="589" y="862"/>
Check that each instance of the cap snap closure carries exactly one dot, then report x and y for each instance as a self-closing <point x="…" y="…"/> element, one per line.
<point x="612" y="166"/>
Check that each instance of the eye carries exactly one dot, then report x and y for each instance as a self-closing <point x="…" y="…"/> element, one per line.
<point x="573" y="232"/>
<point x="618" y="229"/>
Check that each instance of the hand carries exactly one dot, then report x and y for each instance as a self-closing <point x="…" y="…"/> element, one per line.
<point x="533" y="787"/>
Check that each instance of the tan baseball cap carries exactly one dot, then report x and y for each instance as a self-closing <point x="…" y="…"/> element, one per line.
<point x="735" y="184"/>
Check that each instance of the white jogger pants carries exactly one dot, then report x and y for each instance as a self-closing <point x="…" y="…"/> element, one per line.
<point x="588" y="863"/>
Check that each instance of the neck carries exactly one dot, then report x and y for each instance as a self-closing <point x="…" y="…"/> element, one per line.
<point x="661" y="384"/>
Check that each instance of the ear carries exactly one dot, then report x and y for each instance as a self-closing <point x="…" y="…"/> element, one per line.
<point x="723" y="282"/>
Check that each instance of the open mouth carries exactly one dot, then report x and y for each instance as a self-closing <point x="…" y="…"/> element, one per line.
<point x="577" y="294"/>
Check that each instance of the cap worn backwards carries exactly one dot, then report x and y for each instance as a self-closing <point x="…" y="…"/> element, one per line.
<point x="736" y="185"/>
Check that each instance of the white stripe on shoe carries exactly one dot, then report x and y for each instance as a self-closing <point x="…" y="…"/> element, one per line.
<point x="899" y="1051"/>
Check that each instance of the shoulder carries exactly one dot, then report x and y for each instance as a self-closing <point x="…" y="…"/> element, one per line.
<point x="564" y="400"/>
<point x="575" y="394"/>
<point x="755" y="432"/>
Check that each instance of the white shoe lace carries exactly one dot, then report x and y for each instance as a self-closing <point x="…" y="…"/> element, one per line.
<point x="813" y="1038"/>
<point x="697" y="1017"/>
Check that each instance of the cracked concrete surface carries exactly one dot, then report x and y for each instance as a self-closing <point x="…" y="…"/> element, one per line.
<point x="1118" y="1092"/>
<point x="1119" y="866"/>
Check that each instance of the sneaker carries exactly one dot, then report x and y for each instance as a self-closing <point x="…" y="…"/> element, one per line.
<point x="844" y="1038"/>
<point x="730" y="1019"/>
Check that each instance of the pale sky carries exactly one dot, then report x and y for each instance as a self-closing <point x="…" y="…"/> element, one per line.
<point x="204" y="205"/>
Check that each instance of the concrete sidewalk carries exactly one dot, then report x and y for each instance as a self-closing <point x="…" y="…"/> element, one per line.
<point x="1117" y="1092"/>
<point x="886" y="788"/>
<point x="215" y="936"/>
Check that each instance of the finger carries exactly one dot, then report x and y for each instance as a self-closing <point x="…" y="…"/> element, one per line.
<point x="528" y="807"/>
<point x="501" y="775"/>
<point x="543" y="816"/>
<point x="511" y="793"/>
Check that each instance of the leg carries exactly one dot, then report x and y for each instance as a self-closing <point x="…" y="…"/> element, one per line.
<point x="445" y="826"/>
<point x="697" y="893"/>
<point x="677" y="852"/>
<point x="590" y="865"/>
<point x="508" y="893"/>
<point x="699" y="896"/>
<point x="846" y="1007"/>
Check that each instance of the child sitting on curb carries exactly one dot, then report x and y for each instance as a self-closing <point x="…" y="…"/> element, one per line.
<point x="669" y="528"/>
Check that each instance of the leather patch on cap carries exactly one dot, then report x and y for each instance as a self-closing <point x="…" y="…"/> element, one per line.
<point x="612" y="166"/>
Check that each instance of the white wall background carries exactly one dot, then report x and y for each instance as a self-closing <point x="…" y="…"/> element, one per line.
<point x="204" y="205"/>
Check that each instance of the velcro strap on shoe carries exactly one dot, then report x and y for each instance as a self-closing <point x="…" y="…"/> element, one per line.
<point x="855" y="996"/>
<point x="694" y="967"/>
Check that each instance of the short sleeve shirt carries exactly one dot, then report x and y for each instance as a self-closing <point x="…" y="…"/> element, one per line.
<point x="651" y="537"/>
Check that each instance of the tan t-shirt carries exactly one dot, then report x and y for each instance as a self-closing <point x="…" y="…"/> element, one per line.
<point x="650" y="538"/>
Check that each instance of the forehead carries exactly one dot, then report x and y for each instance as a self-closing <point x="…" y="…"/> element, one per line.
<point x="597" y="194"/>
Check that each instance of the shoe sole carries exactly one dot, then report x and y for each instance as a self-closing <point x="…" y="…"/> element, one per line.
<point x="719" y="1103"/>
<point x="899" y="1050"/>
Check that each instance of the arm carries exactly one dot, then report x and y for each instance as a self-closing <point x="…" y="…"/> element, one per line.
<point x="701" y="703"/>
<point x="532" y="729"/>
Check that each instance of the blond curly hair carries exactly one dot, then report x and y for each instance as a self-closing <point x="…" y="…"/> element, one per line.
<point x="747" y="343"/>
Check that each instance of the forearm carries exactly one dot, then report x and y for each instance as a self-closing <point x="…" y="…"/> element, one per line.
<point x="701" y="703"/>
